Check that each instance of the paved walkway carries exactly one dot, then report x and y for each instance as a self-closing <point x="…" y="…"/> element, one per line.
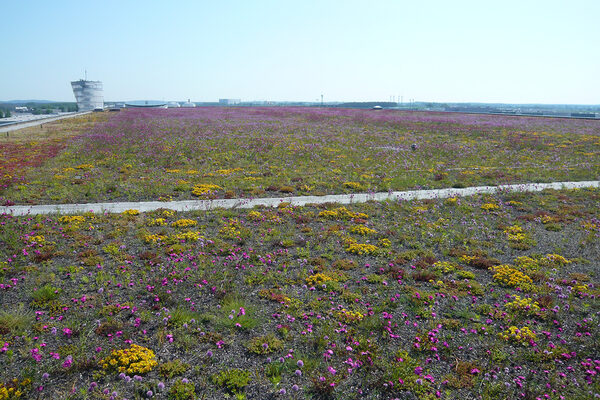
<point x="36" y="122"/>
<point x="205" y="205"/>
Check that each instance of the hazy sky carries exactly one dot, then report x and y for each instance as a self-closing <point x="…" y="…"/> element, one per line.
<point x="521" y="51"/>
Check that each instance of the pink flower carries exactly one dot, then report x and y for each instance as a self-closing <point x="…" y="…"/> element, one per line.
<point x="68" y="362"/>
<point x="35" y="353"/>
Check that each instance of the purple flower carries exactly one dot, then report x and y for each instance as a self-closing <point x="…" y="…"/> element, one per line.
<point x="149" y="393"/>
<point x="161" y="386"/>
<point x="68" y="362"/>
<point x="298" y="372"/>
<point x="300" y="363"/>
<point x="295" y="388"/>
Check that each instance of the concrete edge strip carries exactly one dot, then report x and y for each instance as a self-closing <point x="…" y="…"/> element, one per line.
<point x="207" y="205"/>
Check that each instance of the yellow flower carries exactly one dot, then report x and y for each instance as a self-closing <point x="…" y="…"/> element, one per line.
<point x="523" y="306"/>
<point x="85" y="166"/>
<point x="154" y="238"/>
<point x="361" y="248"/>
<point x="349" y="317"/>
<point x="353" y="185"/>
<point x="156" y="222"/>
<point x="489" y="206"/>
<point x="184" y="223"/>
<point x="523" y="335"/>
<point x="203" y="189"/>
<point x="508" y="276"/>
<point x="341" y="213"/>
<point x="362" y="230"/>
<point x="131" y="212"/>
<point x="254" y="216"/>
<point x="68" y="219"/>
<point x="318" y="279"/>
<point x="134" y="360"/>
<point x="384" y="242"/>
<point x="189" y="236"/>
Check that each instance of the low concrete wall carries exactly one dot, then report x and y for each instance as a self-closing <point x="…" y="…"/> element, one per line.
<point x="206" y="205"/>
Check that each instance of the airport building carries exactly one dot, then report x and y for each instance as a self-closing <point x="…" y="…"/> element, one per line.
<point x="89" y="94"/>
<point x="146" y="104"/>
<point x="188" y="104"/>
<point x="229" y="102"/>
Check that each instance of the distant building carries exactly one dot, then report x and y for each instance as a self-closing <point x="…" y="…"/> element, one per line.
<point x="21" y="109"/>
<point x="188" y="104"/>
<point x="229" y="102"/>
<point x="89" y="94"/>
<point x="146" y="104"/>
<point x="583" y="115"/>
<point x="173" y="104"/>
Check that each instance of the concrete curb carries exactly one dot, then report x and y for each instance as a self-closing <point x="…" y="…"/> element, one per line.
<point x="207" y="205"/>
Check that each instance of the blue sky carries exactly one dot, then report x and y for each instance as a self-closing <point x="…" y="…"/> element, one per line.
<point x="524" y="51"/>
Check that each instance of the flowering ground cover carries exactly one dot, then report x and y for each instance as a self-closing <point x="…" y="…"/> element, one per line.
<point x="178" y="154"/>
<point x="27" y="149"/>
<point x="492" y="297"/>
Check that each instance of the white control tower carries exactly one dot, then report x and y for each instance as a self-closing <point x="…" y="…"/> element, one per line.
<point x="89" y="94"/>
